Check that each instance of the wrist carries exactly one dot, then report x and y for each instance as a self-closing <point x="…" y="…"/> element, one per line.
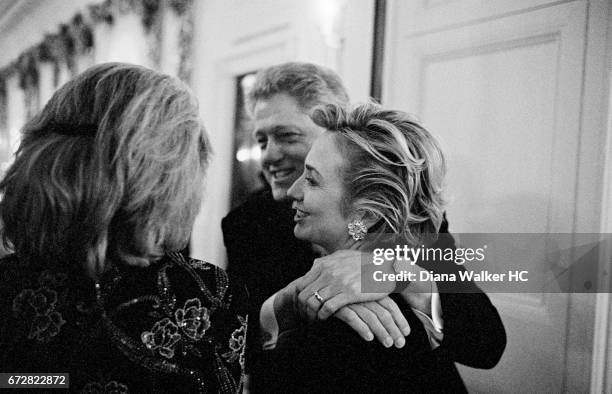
<point x="419" y="295"/>
<point x="401" y="269"/>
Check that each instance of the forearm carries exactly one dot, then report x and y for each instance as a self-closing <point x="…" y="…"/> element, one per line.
<point x="424" y="300"/>
<point x="278" y="315"/>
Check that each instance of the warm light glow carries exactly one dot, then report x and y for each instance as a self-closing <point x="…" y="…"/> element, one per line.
<point x="255" y="153"/>
<point x="330" y="20"/>
<point x="243" y="154"/>
<point x="247" y="83"/>
<point x="248" y="153"/>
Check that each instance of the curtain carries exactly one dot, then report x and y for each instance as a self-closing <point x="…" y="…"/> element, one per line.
<point x="154" y="33"/>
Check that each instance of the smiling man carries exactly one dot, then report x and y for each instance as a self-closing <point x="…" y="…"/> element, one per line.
<point x="259" y="234"/>
<point x="284" y="133"/>
<point x="280" y="103"/>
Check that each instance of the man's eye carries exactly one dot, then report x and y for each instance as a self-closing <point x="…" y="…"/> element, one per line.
<point x="288" y="136"/>
<point x="310" y="181"/>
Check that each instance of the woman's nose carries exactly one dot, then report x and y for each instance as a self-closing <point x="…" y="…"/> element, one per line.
<point x="295" y="191"/>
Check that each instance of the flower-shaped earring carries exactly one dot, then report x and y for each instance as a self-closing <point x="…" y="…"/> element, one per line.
<point x="357" y="230"/>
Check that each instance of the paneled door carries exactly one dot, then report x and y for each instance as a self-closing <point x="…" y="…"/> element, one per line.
<point x="502" y="84"/>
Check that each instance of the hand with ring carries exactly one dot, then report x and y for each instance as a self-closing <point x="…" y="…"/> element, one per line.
<point x="337" y="279"/>
<point x="380" y="319"/>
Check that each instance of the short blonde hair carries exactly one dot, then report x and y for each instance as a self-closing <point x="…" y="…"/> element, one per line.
<point x="394" y="169"/>
<point x="110" y="170"/>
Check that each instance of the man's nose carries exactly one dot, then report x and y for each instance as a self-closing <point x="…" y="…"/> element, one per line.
<point x="271" y="153"/>
<point x="295" y="191"/>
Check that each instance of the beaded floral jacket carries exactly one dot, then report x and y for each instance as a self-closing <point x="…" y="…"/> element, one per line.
<point x="175" y="326"/>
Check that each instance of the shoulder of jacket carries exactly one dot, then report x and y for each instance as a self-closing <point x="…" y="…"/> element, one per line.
<point x="258" y="205"/>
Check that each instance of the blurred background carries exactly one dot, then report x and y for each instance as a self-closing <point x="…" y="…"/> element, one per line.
<point x="517" y="90"/>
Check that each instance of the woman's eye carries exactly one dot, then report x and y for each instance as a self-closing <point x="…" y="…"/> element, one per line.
<point x="310" y="181"/>
<point x="289" y="137"/>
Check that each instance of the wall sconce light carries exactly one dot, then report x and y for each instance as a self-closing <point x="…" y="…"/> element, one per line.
<point x="248" y="153"/>
<point x="331" y="19"/>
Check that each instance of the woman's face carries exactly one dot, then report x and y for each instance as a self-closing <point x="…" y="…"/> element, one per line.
<point x="318" y="196"/>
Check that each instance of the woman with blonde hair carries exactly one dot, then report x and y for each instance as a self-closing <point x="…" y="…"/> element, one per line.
<point x="374" y="177"/>
<point x="102" y="194"/>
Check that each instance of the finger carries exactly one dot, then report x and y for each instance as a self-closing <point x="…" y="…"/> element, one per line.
<point x="310" y="308"/>
<point x="396" y="313"/>
<point x="387" y="321"/>
<point x="350" y="317"/>
<point x="320" y="305"/>
<point x="309" y="277"/>
<point x="313" y="307"/>
<point x="332" y="305"/>
<point x="325" y="291"/>
<point x="324" y="294"/>
<point x="370" y="318"/>
<point x="340" y="299"/>
<point x="313" y="285"/>
<point x="298" y="284"/>
<point x="304" y="295"/>
<point x="333" y="270"/>
<point x="302" y="307"/>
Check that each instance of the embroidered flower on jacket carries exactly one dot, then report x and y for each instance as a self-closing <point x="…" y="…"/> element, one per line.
<point x="52" y="279"/>
<point x="37" y="309"/>
<point x="8" y="277"/>
<point x="40" y="301"/>
<point x="112" y="387"/>
<point x="163" y="337"/>
<point x="237" y="342"/>
<point x="198" y="264"/>
<point x="45" y="327"/>
<point x="115" y="387"/>
<point x="193" y="319"/>
<point x="92" y="388"/>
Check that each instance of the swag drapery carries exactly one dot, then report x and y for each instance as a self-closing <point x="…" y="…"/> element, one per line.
<point x="155" y="33"/>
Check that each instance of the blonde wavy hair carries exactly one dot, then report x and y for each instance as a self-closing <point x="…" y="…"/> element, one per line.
<point x="110" y="170"/>
<point x="393" y="172"/>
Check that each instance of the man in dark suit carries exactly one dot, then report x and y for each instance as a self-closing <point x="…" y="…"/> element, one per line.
<point x="259" y="237"/>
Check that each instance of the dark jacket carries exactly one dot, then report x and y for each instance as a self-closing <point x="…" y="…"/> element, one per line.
<point x="175" y="326"/>
<point x="262" y="251"/>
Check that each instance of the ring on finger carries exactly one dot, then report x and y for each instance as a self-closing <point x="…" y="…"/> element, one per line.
<point x="318" y="297"/>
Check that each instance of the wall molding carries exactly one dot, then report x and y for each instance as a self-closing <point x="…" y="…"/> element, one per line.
<point x="601" y="367"/>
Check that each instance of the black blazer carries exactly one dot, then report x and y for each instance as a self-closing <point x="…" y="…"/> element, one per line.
<point x="263" y="251"/>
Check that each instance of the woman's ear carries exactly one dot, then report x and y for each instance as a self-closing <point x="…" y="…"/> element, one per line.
<point x="367" y="218"/>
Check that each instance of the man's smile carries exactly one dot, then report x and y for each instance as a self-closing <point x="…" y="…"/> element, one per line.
<point x="281" y="175"/>
<point x="299" y="214"/>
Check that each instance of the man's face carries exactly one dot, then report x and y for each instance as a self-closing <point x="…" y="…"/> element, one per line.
<point x="285" y="134"/>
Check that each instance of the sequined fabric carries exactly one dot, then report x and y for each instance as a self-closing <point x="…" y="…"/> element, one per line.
<point x="175" y="326"/>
